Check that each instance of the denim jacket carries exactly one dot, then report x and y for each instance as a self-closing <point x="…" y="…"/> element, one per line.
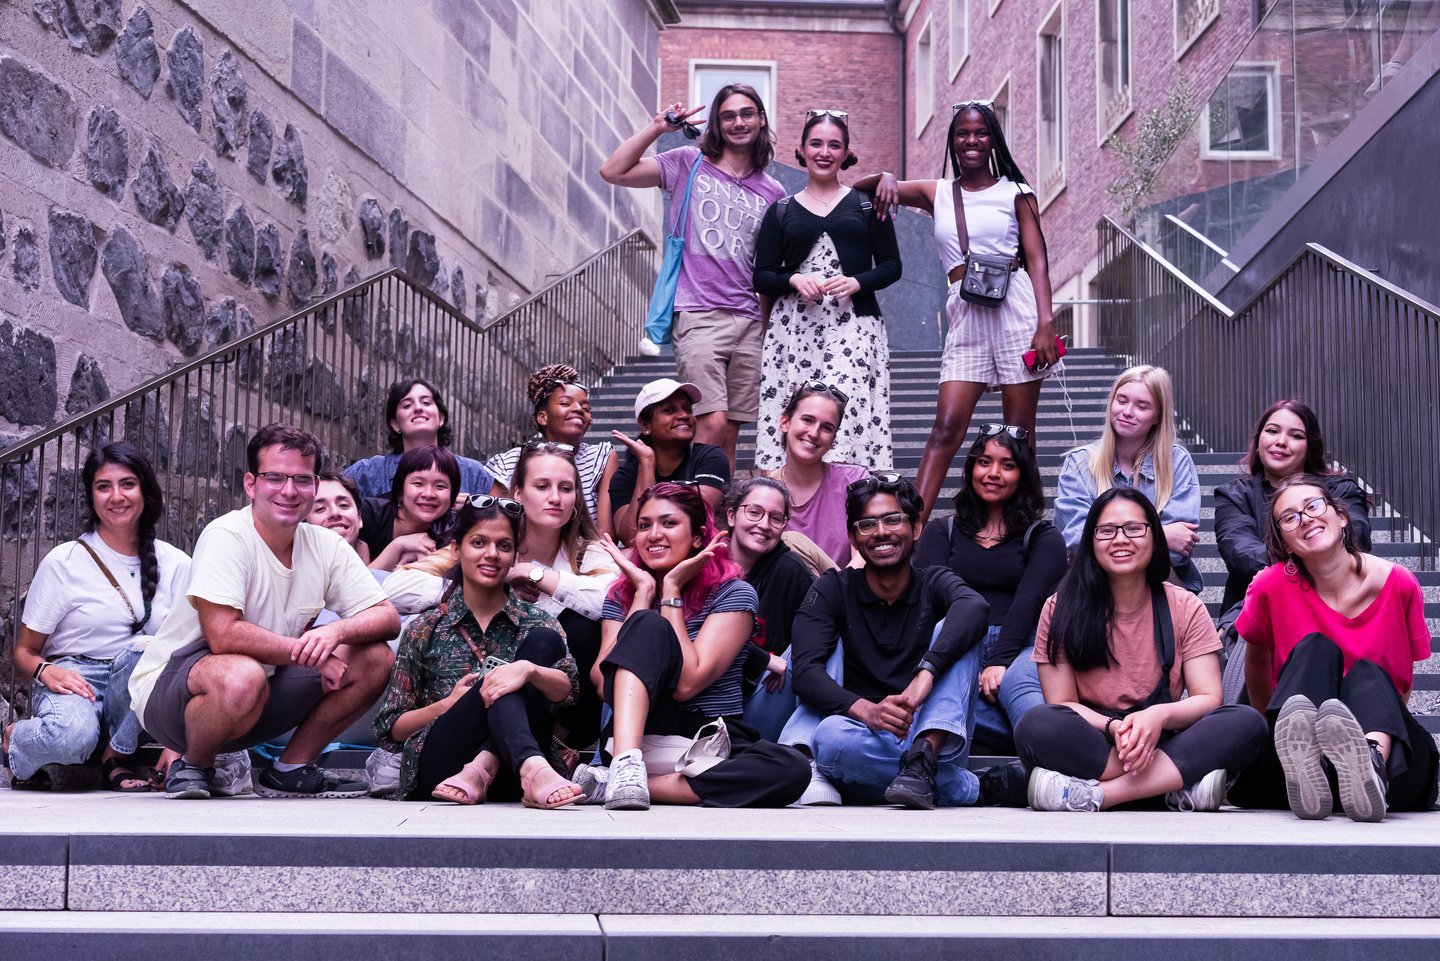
<point x="1077" y="493"/>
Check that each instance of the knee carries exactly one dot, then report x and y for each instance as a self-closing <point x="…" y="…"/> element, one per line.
<point x="645" y="631"/>
<point x="239" y="684"/>
<point x="831" y="736"/>
<point x="73" y="733"/>
<point x="371" y="663"/>
<point x="949" y="427"/>
<point x="542" y="646"/>
<point x="1034" y="727"/>
<point x="1317" y="645"/>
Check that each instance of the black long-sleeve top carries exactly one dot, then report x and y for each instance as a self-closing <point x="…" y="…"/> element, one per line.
<point x="885" y="644"/>
<point x="1014" y="581"/>
<point x="866" y="245"/>
<point x="1242" y="509"/>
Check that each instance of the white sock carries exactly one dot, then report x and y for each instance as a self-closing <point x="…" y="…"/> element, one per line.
<point x="284" y="768"/>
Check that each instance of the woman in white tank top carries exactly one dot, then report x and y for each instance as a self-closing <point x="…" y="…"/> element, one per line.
<point x="984" y="345"/>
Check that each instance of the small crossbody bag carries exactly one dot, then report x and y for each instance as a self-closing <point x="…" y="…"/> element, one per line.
<point x="987" y="279"/>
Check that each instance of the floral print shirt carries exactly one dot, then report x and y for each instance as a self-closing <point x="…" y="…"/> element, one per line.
<point x="436" y="651"/>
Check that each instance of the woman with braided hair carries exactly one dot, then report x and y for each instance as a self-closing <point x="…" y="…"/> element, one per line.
<point x="562" y="416"/>
<point x="92" y="603"/>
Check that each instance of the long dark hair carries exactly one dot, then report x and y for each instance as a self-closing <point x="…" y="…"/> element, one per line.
<point x="1023" y="509"/>
<point x="470" y="515"/>
<point x="1084" y="603"/>
<point x="398" y="390"/>
<point x="1315" y="462"/>
<point x="1002" y="163"/>
<point x="124" y="454"/>
<point x="1275" y="539"/>
<point x="712" y="145"/>
<point x="424" y="458"/>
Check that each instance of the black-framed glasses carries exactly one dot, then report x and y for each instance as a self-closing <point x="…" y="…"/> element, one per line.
<point x="278" y="479"/>
<point x="957" y="107"/>
<point x="507" y="504"/>
<point x="892" y="521"/>
<point x="754" y="513"/>
<point x="1314" y="507"/>
<point x="820" y="387"/>
<point x="814" y="112"/>
<point x="550" y="447"/>
<point x="879" y="481"/>
<point x="992" y="430"/>
<point x="1134" y="530"/>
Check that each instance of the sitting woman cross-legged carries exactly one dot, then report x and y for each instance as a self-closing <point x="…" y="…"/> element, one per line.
<point x="477" y="678"/>
<point x="675" y="669"/>
<point x="1118" y="647"/>
<point x="417" y="516"/>
<point x="1332" y="634"/>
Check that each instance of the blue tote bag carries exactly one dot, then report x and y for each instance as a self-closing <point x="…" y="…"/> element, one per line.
<point x="660" y="316"/>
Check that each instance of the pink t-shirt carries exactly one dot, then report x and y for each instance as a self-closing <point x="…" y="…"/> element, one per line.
<point x="1280" y="610"/>
<point x="822" y="519"/>
<point x="718" y="269"/>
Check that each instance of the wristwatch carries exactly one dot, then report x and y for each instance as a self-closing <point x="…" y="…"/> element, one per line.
<point x="537" y="573"/>
<point x="671" y="602"/>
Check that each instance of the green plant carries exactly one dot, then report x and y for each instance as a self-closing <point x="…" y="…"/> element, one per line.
<point x="1157" y="133"/>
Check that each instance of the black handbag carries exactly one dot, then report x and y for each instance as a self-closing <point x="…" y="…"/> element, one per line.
<point x="987" y="279"/>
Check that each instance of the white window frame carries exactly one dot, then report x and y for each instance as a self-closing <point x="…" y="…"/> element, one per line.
<point x="710" y="63"/>
<point x="1270" y="70"/>
<point x="995" y="5"/>
<point x="1051" y="177"/>
<point x="1112" y="111"/>
<point x="1001" y="103"/>
<point x="924" y="78"/>
<point x="1206" y="13"/>
<point x="959" y="13"/>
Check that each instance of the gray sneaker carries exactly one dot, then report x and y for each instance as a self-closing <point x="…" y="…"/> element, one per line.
<point x="232" y="775"/>
<point x="1306" y="786"/>
<point x="309" y="781"/>
<point x="1206" y="794"/>
<point x="1053" y="791"/>
<point x="629" y="786"/>
<point x="592" y="779"/>
<point x="1357" y="763"/>
<point x="188" y="782"/>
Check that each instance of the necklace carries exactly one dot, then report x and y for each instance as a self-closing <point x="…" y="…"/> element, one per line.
<point x="744" y="171"/>
<point x="989" y="536"/>
<point x="826" y="204"/>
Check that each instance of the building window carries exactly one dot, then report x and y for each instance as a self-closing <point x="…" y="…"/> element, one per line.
<point x="959" y="35"/>
<point x="1242" y="119"/>
<point x="708" y="76"/>
<point x="1112" y="68"/>
<point x="1002" y="107"/>
<point x="924" y="79"/>
<point x="1050" y="50"/>
<point x="1191" y="19"/>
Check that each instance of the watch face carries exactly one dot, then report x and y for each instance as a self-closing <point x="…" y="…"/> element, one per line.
<point x="537" y="573"/>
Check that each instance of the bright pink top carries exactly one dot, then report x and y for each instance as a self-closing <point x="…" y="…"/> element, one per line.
<point x="1281" y="610"/>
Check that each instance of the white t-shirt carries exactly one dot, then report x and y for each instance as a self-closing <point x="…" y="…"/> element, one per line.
<point x="71" y="601"/>
<point x="989" y="216"/>
<point x="235" y="568"/>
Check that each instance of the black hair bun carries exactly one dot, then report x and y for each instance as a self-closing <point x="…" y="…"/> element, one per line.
<point x="799" y="159"/>
<point x="849" y="161"/>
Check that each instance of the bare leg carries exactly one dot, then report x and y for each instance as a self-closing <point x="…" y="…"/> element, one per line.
<point x="368" y="668"/>
<point x="953" y="410"/>
<point x="672" y="789"/>
<point x="1018" y="403"/>
<point x="711" y="429"/>
<point x="228" y="692"/>
<point x="1382" y="741"/>
<point x="632" y="707"/>
<point x="732" y="440"/>
<point x="1159" y="777"/>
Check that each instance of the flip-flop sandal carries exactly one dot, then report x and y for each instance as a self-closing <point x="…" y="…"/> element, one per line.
<point x="466" y="798"/>
<point x="39" y="781"/>
<point x="544" y="802"/>
<point x="116" y="772"/>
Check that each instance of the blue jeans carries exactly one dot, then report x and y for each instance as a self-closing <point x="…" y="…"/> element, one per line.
<point x="767" y="711"/>
<point x="65" y="728"/>
<point x="1019" y="692"/>
<point x="861" y="763"/>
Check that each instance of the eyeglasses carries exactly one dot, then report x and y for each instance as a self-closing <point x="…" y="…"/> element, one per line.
<point x="747" y="114"/>
<point x="755" y="513"/>
<point x="956" y="108"/>
<point x="506" y="504"/>
<point x="278" y="479"/>
<point x="820" y="387"/>
<point x="814" y="112"/>
<point x="883" y="481"/>
<point x="991" y="430"/>
<point x="1314" y="507"/>
<point x="891" y="522"/>
<point x="1133" y="530"/>
<point x="550" y="447"/>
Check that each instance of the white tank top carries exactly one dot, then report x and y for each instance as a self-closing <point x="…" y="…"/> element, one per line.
<point x="989" y="215"/>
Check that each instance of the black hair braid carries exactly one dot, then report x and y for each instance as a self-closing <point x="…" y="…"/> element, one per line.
<point x="149" y="569"/>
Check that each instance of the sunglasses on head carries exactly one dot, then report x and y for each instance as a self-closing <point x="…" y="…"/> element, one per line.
<point x="814" y="112"/>
<point x="553" y="383"/>
<point x="550" y="447"/>
<point x="991" y="430"/>
<point x="506" y="504"/>
<point x="820" y="387"/>
<point x="883" y="481"/>
<point x="956" y="108"/>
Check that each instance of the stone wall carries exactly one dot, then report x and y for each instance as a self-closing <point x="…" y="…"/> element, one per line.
<point x="174" y="173"/>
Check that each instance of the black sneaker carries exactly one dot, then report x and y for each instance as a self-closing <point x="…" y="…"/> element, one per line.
<point x="915" y="787"/>
<point x="1003" y="785"/>
<point x="312" y="780"/>
<point x="186" y="781"/>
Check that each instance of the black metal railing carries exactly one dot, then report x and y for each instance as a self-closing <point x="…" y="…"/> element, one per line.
<point x="1364" y="353"/>
<point x="328" y="369"/>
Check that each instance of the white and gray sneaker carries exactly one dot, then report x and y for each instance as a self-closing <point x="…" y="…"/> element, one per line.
<point x="1206" y="794"/>
<point x="232" y="775"/>
<point x="1359" y="771"/>
<point x="629" y="786"/>
<point x="592" y="779"/>
<point x="1306" y="786"/>
<point x="820" y="792"/>
<point x="1053" y="791"/>
<point x="382" y="772"/>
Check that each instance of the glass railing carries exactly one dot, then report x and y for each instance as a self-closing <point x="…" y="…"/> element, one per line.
<point x="1309" y="70"/>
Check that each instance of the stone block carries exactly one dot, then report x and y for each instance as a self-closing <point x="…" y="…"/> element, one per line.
<point x="286" y="362"/>
<point x="28" y="383"/>
<point x="36" y="113"/>
<point x="262" y="136"/>
<point x="422" y="263"/>
<point x="184" y="309"/>
<point x="147" y="426"/>
<point x="353" y="312"/>
<point x="302" y="276"/>
<point x="307" y="65"/>
<point x="65" y="504"/>
<point x="72" y="255"/>
<point x="233" y="459"/>
<point x="136" y="53"/>
<point x="124" y="266"/>
<point x="399" y="237"/>
<point x="643" y="81"/>
<point x="107" y="152"/>
<point x="372" y="225"/>
<point x="186" y="60"/>
<point x="288" y="169"/>
<point x="227" y="105"/>
<point x="25" y="262"/>
<point x="240" y="246"/>
<point x="199" y="441"/>
<point x="268" y="260"/>
<point x="457" y="288"/>
<point x="88" y="389"/>
<point x="361" y="114"/>
<point x="205" y="207"/>
<point x="324" y="395"/>
<point x="332" y="213"/>
<point x="156" y="196"/>
<point x="466" y="22"/>
<point x="89" y="25"/>
<point x="329" y="283"/>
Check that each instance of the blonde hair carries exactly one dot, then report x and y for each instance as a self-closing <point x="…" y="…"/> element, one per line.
<point x="1160" y="444"/>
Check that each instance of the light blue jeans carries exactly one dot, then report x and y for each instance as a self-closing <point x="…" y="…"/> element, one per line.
<point x="1019" y="692"/>
<point x="65" y="728"/>
<point x="767" y="711"/>
<point x="861" y="763"/>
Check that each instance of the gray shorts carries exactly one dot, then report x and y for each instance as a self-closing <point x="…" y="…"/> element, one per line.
<point x="294" y="692"/>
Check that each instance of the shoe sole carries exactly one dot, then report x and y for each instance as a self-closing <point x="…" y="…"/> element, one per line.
<point x="907" y="797"/>
<point x="1212" y="787"/>
<point x="264" y="791"/>
<point x="1343" y="742"/>
<point x="632" y="802"/>
<point x="1306" y="787"/>
<point x="1032" y="787"/>
<point x="196" y="793"/>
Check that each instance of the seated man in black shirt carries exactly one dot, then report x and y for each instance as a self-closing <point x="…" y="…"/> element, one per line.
<point x="889" y="714"/>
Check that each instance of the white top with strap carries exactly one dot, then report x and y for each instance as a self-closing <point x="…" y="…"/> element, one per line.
<point x="989" y="215"/>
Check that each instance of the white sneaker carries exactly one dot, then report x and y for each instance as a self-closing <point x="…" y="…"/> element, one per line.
<point x="232" y="775"/>
<point x="592" y="779"/>
<point x="629" y="786"/>
<point x="820" y="792"/>
<point x="382" y="772"/>
<point x="1206" y="794"/>
<point x="1053" y="791"/>
<point x="648" y="348"/>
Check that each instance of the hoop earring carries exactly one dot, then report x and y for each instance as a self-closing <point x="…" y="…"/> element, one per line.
<point x="1291" y="568"/>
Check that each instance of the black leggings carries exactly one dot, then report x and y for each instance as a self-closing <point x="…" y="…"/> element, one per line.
<point x="1316" y="669"/>
<point x="513" y="727"/>
<point x="1056" y="737"/>
<point x="582" y="719"/>
<point x="757" y="774"/>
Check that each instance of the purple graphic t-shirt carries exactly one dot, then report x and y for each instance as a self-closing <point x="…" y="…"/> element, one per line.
<point x="717" y="271"/>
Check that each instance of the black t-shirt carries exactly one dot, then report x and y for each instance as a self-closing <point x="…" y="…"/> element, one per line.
<point x="781" y="580"/>
<point x="377" y="525"/>
<point x="703" y="463"/>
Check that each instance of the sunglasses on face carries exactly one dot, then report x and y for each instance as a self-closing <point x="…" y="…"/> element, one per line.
<point x="552" y="385"/>
<point x="1314" y="507"/>
<point x="506" y="504"/>
<point x="992" y="430"/>
<point x="814" y="112"/>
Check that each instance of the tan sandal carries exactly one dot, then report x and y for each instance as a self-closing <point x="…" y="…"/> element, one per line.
<point x="545" y="800"/>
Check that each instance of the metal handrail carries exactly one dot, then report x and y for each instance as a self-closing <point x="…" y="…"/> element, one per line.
<point x="1361" y="351"/>
<point x="326" y="368"/>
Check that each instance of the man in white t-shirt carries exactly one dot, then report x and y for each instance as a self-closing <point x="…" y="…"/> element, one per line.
<point x="243" y="661"/>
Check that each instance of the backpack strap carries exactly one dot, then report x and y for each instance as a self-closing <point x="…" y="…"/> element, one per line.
<point x="1164" y="644"/>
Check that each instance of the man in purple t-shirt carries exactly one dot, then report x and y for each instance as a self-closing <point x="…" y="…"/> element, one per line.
<point x="719" y="318"/>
